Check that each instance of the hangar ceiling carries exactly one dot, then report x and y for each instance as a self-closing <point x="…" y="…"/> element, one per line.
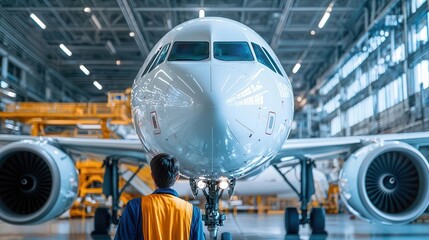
<point x="99" y="36"/>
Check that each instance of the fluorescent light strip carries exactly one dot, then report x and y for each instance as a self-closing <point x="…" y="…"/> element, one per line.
<point x="38" y="21"/>
<point x="96" y="22"/>
<point x="65" y="49"/>
<point x="296" y="68"/>
<point x="324" y="20"/>
<point x="84" y="70"/>
<point x="97" y="85"/>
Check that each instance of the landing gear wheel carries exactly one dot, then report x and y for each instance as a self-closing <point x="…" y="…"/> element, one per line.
<point x="291" y="221"/>
<point x="226" y="236"/>
<point x="101" y="222"/>
<point x="317" y="220"/>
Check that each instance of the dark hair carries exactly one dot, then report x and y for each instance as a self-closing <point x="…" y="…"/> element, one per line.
<point x="165" y="169"/>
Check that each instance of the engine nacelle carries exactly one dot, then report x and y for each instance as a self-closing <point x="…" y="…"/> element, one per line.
<point x="386" y="183"/>
<point x="38" y="182"/>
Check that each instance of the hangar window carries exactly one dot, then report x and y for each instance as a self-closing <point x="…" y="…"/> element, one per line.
<point x="261" y="57"/>
<point x="189" y="51"/>
<point x="161" y="57"/>
<point x="232" y="51"/>
<point x="150" y="62"/>
<point x="272" y="61"/>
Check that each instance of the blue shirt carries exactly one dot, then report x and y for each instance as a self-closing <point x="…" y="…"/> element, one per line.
<point x="130" y="224"/>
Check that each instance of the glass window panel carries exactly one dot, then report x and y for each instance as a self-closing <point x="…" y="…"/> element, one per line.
<point x="189" y="51"/>
<point x="272" y="61"/>
<point x="161" y="57"/>
<point x="261" y="57"/>
<point x="150" y="63"/>
<point x="232" y="51"/>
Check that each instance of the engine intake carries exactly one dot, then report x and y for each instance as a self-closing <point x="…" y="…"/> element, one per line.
<point x="38" y="182"/>
<point x="385" y="183"/>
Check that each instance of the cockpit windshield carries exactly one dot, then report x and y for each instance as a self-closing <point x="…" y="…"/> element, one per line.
<point x="189" y="51"/>
<point x="232" y="51"/>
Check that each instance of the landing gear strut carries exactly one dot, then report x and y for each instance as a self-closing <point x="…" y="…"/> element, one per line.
<point x="213" y="190"/>
<point x="317" y="215"/>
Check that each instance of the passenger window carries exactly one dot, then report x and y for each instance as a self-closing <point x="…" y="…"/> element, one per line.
<point x="273" y="62"/>
<point x="261" y="57"/>
<point x="189" y="51"/>
<point x="232" y="51"/>
<point x="161" y="57"/>
<point x="150" y="63"/>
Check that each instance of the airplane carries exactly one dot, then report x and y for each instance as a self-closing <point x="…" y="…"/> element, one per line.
<point x="213" y="94"/>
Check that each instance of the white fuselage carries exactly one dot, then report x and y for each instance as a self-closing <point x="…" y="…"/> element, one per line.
<point x="219" y="118"/>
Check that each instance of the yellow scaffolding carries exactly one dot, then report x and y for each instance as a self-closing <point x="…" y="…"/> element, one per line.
<point x="38" y="115"/>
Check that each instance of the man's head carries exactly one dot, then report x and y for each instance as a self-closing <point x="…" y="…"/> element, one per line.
<point x="165" y="170"/>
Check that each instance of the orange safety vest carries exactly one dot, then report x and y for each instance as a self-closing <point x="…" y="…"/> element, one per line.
<point x="166" y="217"/>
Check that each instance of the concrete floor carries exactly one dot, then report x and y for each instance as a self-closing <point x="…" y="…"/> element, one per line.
<point x="242" y="227"/>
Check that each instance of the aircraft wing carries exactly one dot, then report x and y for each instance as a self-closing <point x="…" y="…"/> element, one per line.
<point x="101" y="147"/>
<point x="326" y="148"/>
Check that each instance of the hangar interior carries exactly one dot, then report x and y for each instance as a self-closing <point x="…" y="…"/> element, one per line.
<point x="356" y="68"/>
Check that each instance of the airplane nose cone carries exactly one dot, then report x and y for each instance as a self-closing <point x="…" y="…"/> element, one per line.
<point x="205" y="115"/>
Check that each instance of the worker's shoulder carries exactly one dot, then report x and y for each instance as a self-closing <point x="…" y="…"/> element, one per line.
<point x="134" y="203"/>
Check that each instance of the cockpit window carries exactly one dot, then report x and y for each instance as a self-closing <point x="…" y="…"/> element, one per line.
<point x="150" y="62"/>
<point x="161" y="57"/>
<point x="261" y="57"/>
<point x="232" y="51"/>
<point x="189" y="51"/>
<point x="273" y="62"/>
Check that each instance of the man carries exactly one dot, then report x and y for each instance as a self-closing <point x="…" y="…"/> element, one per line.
<point x="161" y="215"/>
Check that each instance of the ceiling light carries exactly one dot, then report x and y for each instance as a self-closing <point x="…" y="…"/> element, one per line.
<point x="110" y="48"/>
<point x="87" y="10"/>
<point x="202" y="13"/>
<point x="326" y="15"/>
<point x="97" y="85"/>
<point x="132" y="34"/>
<point x="118" y="62"/>
<point x="84" y="69"/>
<point x="299" y="99"/>
<point x="312" y="32"/>
<point x="65" y="49"/>
<point x="38" y="21"/>
<point x="324" y="20"/>
<point x="11" y="94"/>
<point x="296" y="67"/>
<point x="95" y="22"/>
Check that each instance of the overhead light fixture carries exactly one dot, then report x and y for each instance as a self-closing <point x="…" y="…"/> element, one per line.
<point x="296" y="67"/>
<point x="97" y="85"/>
<point x="202" y="13"/>
<point x="110" y="47"/>
<point x="118" y="62"/>
<point x="87" y="10"/>
<point x="132" y="34"/>
<point x="326" y="15"/>
<point x="299" y="99"/>
<point x="38" y="21"/>
<point x="65" y="49"/>
<point x="312" y="32"/>
<point x="84" y="69"/>
<point x="95" y="22"/>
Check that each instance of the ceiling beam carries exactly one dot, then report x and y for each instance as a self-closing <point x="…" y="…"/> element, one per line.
<point x="178" y="9"/>
<point x="281" y="25"/>
<point x="132" y="23"/>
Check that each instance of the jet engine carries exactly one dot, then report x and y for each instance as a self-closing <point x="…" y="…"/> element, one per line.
<point x="38" y="182"/>
<point x="386" y="183"/>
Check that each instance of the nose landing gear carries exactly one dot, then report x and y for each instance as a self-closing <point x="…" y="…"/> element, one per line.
<point x="213" y="190"/>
